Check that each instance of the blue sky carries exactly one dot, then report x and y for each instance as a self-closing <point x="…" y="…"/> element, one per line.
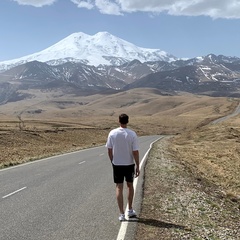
<point x="184" y="28"/>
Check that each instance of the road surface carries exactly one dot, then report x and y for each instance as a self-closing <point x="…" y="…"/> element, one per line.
<point x="71" y="196"/>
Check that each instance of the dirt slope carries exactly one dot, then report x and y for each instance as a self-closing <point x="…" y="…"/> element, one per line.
<point x="180" y="203"/>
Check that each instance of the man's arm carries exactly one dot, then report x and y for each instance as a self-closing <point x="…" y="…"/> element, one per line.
<point x="110" y="154"/>
<point x="136" y="158"/>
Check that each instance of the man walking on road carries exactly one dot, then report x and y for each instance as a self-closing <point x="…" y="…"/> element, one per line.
<point x="123" y="152"/>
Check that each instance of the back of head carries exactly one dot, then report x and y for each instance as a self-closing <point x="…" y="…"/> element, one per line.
<point x="123" y="118"/>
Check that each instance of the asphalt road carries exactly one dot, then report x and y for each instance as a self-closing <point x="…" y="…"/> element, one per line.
<point x="71" y="196"/>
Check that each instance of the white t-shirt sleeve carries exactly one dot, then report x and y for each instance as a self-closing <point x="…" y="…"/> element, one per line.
<point x="109" y="142"/>
<point x="135" y="146"/>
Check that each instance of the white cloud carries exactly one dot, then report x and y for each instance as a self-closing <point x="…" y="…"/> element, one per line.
<point x="211" y="8"/>
<point x="35" y="3"/>
<point x="108" y="7"/>
<point x="84" y="4"/>
<point x="104" y="6"/>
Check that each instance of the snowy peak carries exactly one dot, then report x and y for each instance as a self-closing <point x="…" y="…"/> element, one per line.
<point x="101" y="48"/>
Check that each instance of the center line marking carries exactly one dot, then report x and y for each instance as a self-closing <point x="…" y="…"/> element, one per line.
<point x="10" y="194"/>
<point x="82" y="162"/>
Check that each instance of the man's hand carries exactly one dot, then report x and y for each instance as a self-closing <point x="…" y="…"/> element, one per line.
<point x="136" y="158"/>
<point x="110" y="154"/>
<point x="137" y="172"/>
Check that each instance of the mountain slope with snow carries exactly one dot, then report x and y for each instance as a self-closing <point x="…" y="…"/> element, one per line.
<point x="210" y="75"/>
<point x="101" y="48"/>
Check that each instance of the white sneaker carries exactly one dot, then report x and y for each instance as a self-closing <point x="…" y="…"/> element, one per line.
<point x="121" y="217"/>
<point x="131" y="213"/>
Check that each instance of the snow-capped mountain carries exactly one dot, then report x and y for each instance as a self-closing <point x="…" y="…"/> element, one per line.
<point x="99" y="49"/>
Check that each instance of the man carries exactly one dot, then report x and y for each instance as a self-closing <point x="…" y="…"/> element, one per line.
<point x="123" y="152"/>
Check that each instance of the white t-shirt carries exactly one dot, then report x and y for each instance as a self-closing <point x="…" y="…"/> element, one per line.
<point x="123" y="142"/>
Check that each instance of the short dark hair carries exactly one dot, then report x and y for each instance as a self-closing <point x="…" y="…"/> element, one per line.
<point x="123" y="118"/>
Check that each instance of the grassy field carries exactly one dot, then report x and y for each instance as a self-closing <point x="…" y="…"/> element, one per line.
<point x="35" y="129"/>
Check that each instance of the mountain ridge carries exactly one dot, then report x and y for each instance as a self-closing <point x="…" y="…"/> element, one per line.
<point x="210" y="75"/>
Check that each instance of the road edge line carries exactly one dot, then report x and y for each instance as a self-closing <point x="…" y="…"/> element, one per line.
<point x="123" y="227"/>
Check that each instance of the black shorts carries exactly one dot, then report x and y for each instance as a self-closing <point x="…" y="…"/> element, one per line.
<point x="121" y="171"/>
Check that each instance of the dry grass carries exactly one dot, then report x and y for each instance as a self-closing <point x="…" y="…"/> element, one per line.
<point x="214" y="152"/>
<point x="26" y="145"/>
<point x="179" y="203"/>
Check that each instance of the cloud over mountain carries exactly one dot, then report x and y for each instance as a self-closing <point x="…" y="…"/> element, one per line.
<point x="215" y="9"/>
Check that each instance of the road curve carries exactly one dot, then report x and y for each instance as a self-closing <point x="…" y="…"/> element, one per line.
<point x="235" y="113"/>
<point x="71" y="196"/>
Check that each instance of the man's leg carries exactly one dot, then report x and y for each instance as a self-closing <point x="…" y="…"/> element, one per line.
<point x="119" y="194"/>
<point x="131" y="212"/>
<point x="130" y="194"/>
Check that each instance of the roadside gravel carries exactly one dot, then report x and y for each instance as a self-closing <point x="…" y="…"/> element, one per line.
<point x="180" y="204"/>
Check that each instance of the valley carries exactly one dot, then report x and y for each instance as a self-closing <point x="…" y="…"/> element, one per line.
<point x="46" y="125"/>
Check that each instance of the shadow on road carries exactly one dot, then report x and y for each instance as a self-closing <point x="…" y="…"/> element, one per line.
<point x="157" y="223"/>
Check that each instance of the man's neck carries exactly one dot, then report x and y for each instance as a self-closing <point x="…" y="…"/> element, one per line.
<point x="123" y="125"/>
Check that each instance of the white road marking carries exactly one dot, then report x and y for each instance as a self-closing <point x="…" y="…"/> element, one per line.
<point x="82" y="162"/>
<point x="10" y="194"/>
<point x="101" y="154"/>
<point x="123" y="228"/>
<point x="48" y="158"/>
